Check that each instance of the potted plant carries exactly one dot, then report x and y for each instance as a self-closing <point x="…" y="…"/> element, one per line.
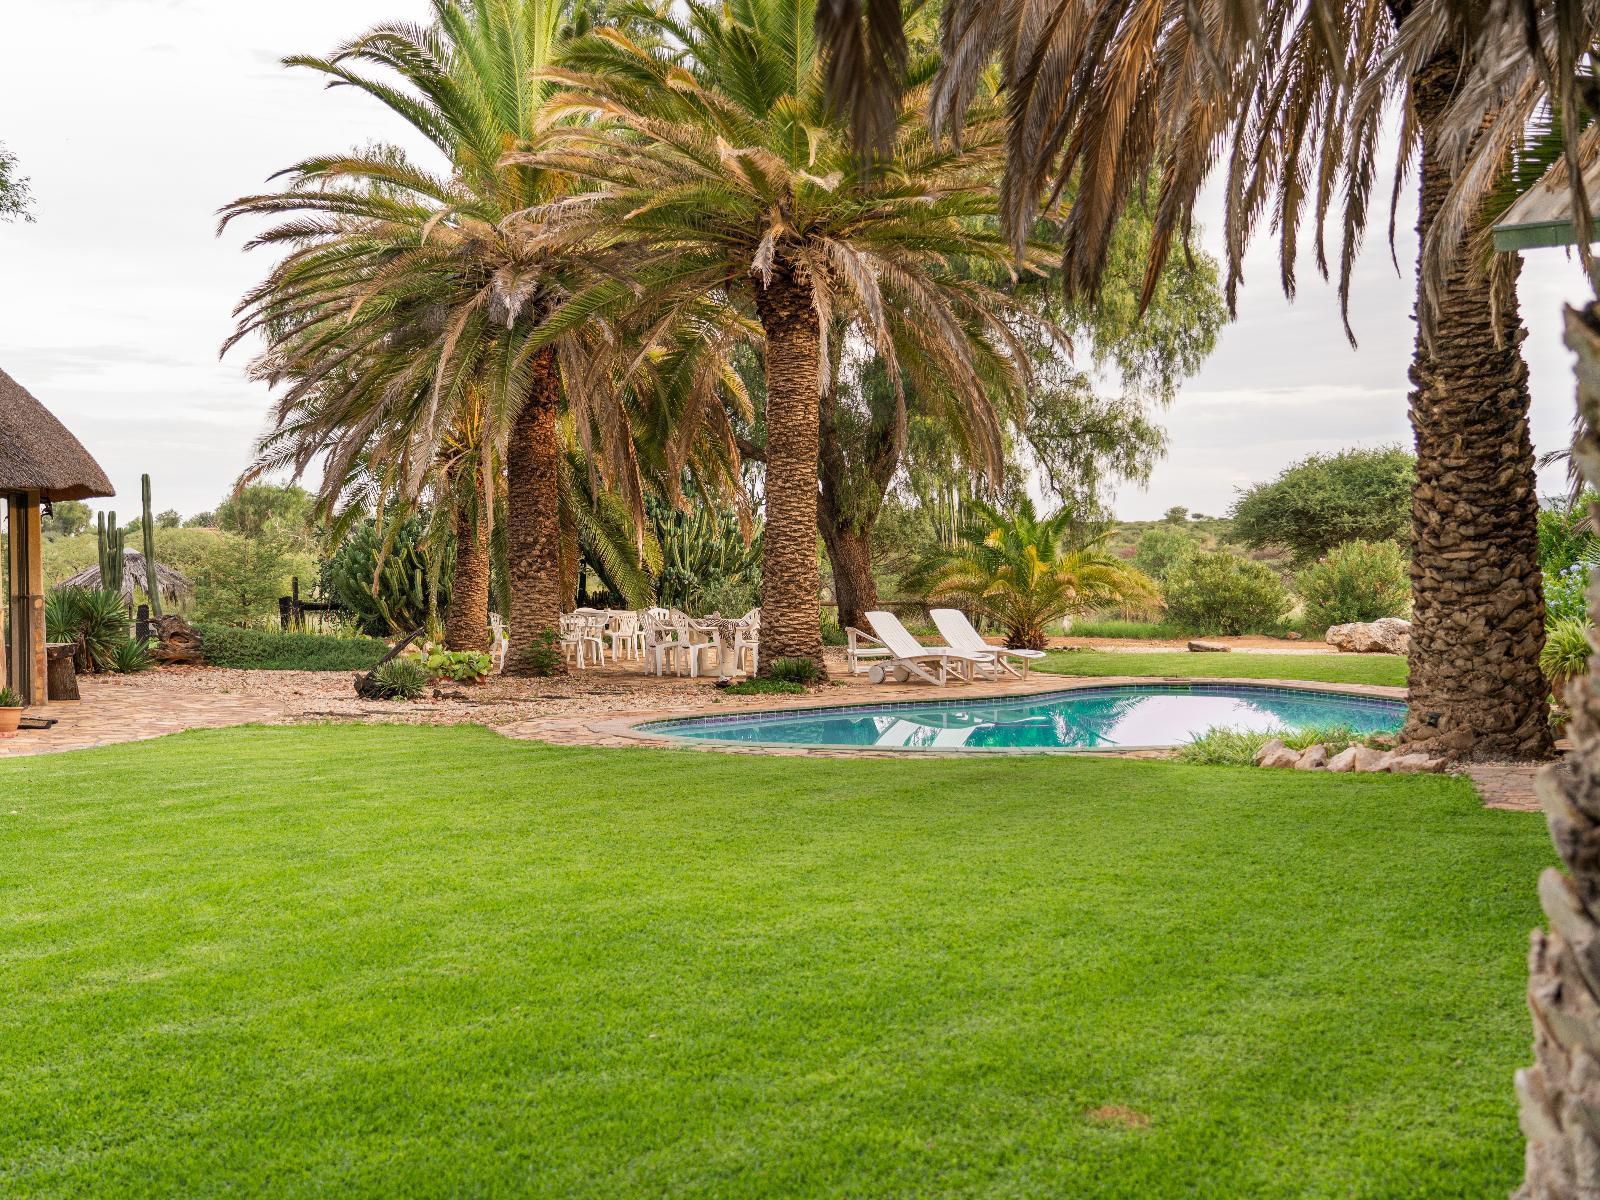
<point x="10" y="712"/>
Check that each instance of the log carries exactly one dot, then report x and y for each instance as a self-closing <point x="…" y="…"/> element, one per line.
<point x="61" y="674"/>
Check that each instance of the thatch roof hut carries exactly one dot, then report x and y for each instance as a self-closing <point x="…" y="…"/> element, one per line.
<point x="174" y="587"/>
<point x="37" y="454"/>
<point x="39" y="462"/>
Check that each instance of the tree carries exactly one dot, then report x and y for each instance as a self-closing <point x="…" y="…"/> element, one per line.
<point x="239" y="579"/>
<point x="201" y="520"/>
<point x="1026" y="573"/>
<point x="67" y="518"/>
<point x="169" y="519"/>
<point x="1176" y="515"/>
<point x="1292" y="99"/>
<point x="1327" y="499"/>
<point x="722" y="171"/>
<point x="1161" y="547"/>
<point x="15" y="195"/>
<point x="252" y="511"/>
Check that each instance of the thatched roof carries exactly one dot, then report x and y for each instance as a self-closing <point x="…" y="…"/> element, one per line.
<point x="38" y="454"/>
<point x="174" y="587"/>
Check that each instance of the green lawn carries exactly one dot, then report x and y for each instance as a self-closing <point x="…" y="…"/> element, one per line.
<point x="1389" y="669"/>
<point x="395" y="961"/>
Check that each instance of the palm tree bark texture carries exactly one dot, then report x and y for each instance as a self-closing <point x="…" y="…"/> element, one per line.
<point x="533" y="519"/>
<point x="1476" y="690"/>
<point x="1559" y="1096"/>
<point x="791" y="614"/>
<point x="846" y="514"/>
<point x="466" y="620"/>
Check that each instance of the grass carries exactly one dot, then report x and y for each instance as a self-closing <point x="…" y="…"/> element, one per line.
<point x="764" y="687"/>
<point x="409" y="961"/>
<point x="1384" y="669"/>
<point x="266" y="650"/>
<point x="1112" y="627"/>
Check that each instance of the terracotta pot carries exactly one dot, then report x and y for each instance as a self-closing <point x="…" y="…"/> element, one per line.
<point x="9" y="717"/>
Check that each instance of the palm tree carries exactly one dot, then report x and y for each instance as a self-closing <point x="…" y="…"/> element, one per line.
<point x="719" y="165"/>
<point x="414" y="300"/>
<point x="1025" y="572"/>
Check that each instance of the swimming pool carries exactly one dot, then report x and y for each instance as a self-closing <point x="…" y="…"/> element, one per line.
<point x="1113" y="717"/>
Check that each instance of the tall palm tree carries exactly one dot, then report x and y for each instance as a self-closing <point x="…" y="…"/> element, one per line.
<point x="418" y="291"/>
<point x="718" y="162"/>
<point x="1025" y="572"/>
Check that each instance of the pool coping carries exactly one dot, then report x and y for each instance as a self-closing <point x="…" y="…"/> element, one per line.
<point x="625" y="729"/>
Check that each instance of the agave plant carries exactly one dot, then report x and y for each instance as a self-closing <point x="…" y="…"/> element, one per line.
<point x="94" y="620"/>
<point x="1026" y="573"/>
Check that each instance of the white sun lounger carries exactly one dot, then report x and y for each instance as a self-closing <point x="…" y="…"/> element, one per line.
<point x="954" y="627"/>
<point x="909" y="657"/>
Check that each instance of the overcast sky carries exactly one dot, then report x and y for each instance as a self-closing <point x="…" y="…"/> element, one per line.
<point x="137" y="119"/>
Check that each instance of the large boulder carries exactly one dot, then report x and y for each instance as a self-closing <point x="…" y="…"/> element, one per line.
<point x="1387" y="635"/>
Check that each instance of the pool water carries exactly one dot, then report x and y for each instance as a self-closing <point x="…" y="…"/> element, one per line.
<point x="1123" y="716"/>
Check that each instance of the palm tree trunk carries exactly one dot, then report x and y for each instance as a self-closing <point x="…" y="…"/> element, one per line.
<point x="791" y="615"/>
<point x="466" y="620"/>
<point x="533" y="522"/>
<point x="1559" y="1096"/>
<point x="1476" y="691"/>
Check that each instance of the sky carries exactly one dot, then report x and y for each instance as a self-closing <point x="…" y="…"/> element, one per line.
<point x="117" y="299"/>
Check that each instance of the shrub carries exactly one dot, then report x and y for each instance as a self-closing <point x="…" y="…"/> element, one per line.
<point x="544" y="656"/>
<point x="130" y="656"/>
<point x="1161" y="547"/>
<point x="832" y="635"/>
<point x="239" y="580"/>
<point x="412" y="583"/>
<point x="266" y="650"/>
<point x="403" y="678"/>
<point x="1563" y="593"/>
<point x="9" y="699"/>
<point x="1223" y="747"/>
<point x="1356" y="581"/>
<point x="803" y="671"/>
<point x="1565" y="537"/>
<point x="766" y="687"/>
<point x="1224" y="593"/>
<point x="459" y="665"/>
<point x="94" y="620"/>
<point x="1325" y="499"/>
<point x="1566" y="653"/>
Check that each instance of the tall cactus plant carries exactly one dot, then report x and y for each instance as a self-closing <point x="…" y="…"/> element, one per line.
<point x="111" y="543"/>
<point x="152" y="585"/>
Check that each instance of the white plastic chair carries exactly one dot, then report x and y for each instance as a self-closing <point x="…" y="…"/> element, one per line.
<point x="954" y="627"/>
<point x="578" y="633"/>
<point x="665" y="640"/>
<point x="862" y="650"/>
<point x="623" y="632"/>
<point x="500" y="642"/>
<point x="748" y="638"/>
<point x="909" y="657"/>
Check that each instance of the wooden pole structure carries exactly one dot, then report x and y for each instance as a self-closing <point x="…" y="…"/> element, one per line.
<point x="26" y="659"/>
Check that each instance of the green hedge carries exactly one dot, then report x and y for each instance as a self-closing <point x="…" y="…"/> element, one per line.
<point x="262" y="650"/>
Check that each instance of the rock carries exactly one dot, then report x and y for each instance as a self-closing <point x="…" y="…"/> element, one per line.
<point x="1281" y="758"/>
<point x="1343" y="761"/>
<point x="1270" y="746"/>
<point x="1413" y="764"/>
<point x="1368" y="760"/>
<point x="1209" y="648"/>
<point x="1292" y="636"/>
<point x="1312" y="758"/>
<point x="1387" y="635"/>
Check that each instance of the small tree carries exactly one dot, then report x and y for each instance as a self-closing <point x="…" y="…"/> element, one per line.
<point x="240" y="579"/>
<point x="1358" y="581"/>
<point x="1176" y="515"/>
<point x="1160" y="549"/>
<point x="1224" y="593"/>
<point x="1324" y="500"/>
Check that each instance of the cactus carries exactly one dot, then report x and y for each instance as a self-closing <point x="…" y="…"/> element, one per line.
<point x="111" y="542"/>
<point x="394" y="597"/>
<point x="148" y="526"/>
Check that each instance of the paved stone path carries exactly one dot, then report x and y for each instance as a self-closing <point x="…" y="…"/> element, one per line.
<point x="596" y="707"/>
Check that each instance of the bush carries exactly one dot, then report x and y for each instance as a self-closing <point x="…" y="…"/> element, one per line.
<point x="1566" y="653"/>
<point x="544" y="656"/>
<point x="1161" y="547"/>
<point x="130" y="656"/>
<point x="1565" y="538"/>
<point x="1222" y="747"/>
<point x="765" y="687"/>
<point x="412" y="584"/>
<point x="1325" y="500"/>
<point x="459" y="665"/>
<point x="803" y="671"/>
<point x="1358" y="581"/>
<point x="94" y="620"/>
<point x="1563" y="593"/>
<point x="265" y="650"/>
<point x="403" y="678"/>
<point x="1224" y="593"/>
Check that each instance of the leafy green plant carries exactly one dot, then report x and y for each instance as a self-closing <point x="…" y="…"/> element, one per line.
<point x="1223" y="747"/>
<point x="1224" y="593"/>
<point x="411" y="586"/>
<point x="94" y="620"/>
<point x="766" y="687"/>
<point x="269" y="650"/>
<point x="1326" y="499"/>
<point x="130" y="656"/>
<point x="1564" y="593"/>
<point x="803" y="671"/>
<point x="1356" y="581"/>
<point x="1566" y="652"/>
<point x="459" y="665"/>
<point x="9" y="699"/>
<point x="544" y="656"/>
<point x="1025" y="572"/>
<point x="403" y="678"/>
<point x="1566" y="536"/>
<point x="1161" y="547"/>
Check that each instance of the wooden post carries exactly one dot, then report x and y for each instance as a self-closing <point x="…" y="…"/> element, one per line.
<point x="27" y="663"/>
<point x="141" y="623"/>
<point x="296" y="617"/>
<point x="283" y="613"/>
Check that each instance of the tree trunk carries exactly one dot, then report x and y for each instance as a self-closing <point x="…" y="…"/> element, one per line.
<point x="1559" y="1096"/>
<point x="1476" y="691"/>
<point x="533" y="522"/>
<point x="848" y="505"/>
<point x="466" y="620"/>
<point x="791" y="616"/>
